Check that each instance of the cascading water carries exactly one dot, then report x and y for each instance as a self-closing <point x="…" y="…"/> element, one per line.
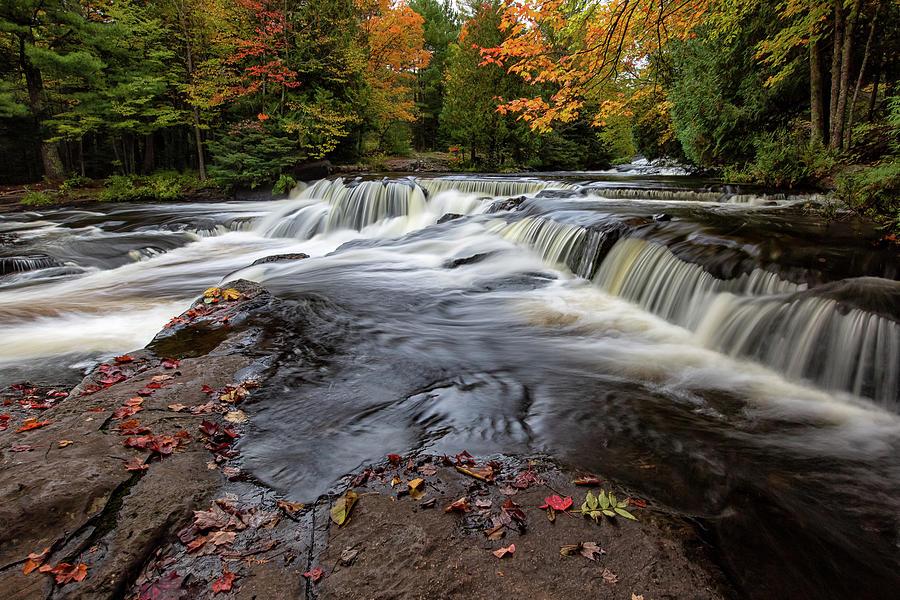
<point x="755" y="402"/>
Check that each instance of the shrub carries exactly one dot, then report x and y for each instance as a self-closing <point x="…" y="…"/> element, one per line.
<point x="873" y="191"/>
<point x="284" y="185"/>
<point x="37" y="198"/>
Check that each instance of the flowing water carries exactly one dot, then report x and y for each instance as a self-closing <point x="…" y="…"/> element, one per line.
<point x="723" y="352"/>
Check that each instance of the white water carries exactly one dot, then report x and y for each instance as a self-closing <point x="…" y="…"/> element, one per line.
<point x="117" y="309"/>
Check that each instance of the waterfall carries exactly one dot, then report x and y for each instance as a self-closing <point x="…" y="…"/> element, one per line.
<point x="762" y="317"/>
<point x="491" y="187"/>
<point x="558" y="243"/>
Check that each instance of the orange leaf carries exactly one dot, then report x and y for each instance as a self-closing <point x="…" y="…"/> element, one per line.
<point x="35" y="560"/>
<point x="223" y="584"/>
<point x="32" y="423"/>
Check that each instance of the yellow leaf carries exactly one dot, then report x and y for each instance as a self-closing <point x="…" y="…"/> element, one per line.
<point x="236" y="416"/>
<point x="212" y="292"/>
<point x="340" y="512"/>
<point x="231" y="294"/>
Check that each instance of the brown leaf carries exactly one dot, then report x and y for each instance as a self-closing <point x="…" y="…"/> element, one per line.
<point x="495" y="533"/>
<point x="64" y="443"/>
<point x="485" y="473"/>
<point x="36" y="560"/>
<point x="360" y="478"/>
<point x="504" y="551"/>
<point x="236" y="416"/>
<point x="348" y="555"/>
<point x="220" y="538"/>
<point x="289" y="507"/>
<point x="177" y="407"/>
<point x="513" y="510"/>
<point x="427" y="470"/>
<point x="135" y="464"/>
<point x="587" y="480"/>
<point x="609" y="576"/>
<point x="462" y="505"/>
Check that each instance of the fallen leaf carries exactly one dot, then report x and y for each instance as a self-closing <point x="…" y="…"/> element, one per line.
<point x="212" y="292"/>
<point x="236" y="416"/>
<point x="211" y="465"/>
<point x="514" y="511"/>
<point x="36" y="560"/>
<point x="208" y="427"/>
<point x="164" y="588"/>
<point x="32" y="423"/>
<point x="527" y="478"/>
<point x="167" y="363"/>
<point x="495" y="533"/>
<point x="636" y="597"/>
<point x="609" y="576"/>
<point x="217" y="518"/>
<point x="394" y="458"/>
<point x="416" y="488"/>
<point x="641" y="503"/>
<point x="585" y="549"/>
<point x="340" y="512"/>
<point x="485" y="473"/>
<point x="504" y="551"/>
<point x="464" y="458"/>
<point x="220" y="538"/>
<point x="316" y="574"/>
<point x="361" y="478"/>
<point x="557" y="503"/>
<point x="223" y="584"/>
<point x="21" y="448"/>
<point x="348" y="555"/>
<point x="65" y="572"/>
<point x="177" y="407"/>
<point x="508" y="491"/>
<point x="231" y="294"/>
<point x="230" y="472"/>
<point x="135" y="464"/>
<point x="427" y="470"/>
<point x="462" y="505"/>
<point x="396" y="481"/>
<point x="587" y="480"/>
<point x="124" y="359"/>
<point x="289" y="507"/>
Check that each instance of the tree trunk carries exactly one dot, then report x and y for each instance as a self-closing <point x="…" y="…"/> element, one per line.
<point x="149" y="154"/>
<point x="848" y="131"/>
<point x="816" y="95"/>
<point x="838" y="118"/>
<point x="874" y="97"/>
<point x="53" y="167"/>
<point x="838" y="42"/>
<point x="189" y="63"/>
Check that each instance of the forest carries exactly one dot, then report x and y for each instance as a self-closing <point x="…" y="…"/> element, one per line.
<point x="238" y="93"/>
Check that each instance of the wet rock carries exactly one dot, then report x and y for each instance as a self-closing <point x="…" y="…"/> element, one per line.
<point x="449" y="217"/>
<point x="468" y="260"/>
<point x="662" y="217"/>
<point x="279" y="258"/>
<point x="22" y="264"/>
<point x="508" y="204"/>
<point x="311" y="171"/>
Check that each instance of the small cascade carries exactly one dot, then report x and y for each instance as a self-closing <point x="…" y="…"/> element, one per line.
<point x="558" y="243"/>
<point x="491" y="187"/>
<point x="762" y="317"/>
<point x="675" y="195"/>
<point x="331" y="205"/>
<point x="22" y="264"/>
<point x="810" y="337"/>
<point x="649" y="275"/>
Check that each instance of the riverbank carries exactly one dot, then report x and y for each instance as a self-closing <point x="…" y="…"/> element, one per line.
<point x="134" y="480"/>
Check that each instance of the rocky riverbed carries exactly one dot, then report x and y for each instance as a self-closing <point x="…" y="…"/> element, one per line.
<point x="131" y="486"/>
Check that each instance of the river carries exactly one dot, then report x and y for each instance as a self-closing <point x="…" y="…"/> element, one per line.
<point x="729" y="354"/>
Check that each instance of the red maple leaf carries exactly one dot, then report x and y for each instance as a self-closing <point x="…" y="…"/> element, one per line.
<point x="316" y="574"/>
<point x="557" y="503"/>
<point x="223" y="584"/>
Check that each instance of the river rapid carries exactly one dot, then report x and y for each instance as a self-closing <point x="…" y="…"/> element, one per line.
<point x="725" y="353"/>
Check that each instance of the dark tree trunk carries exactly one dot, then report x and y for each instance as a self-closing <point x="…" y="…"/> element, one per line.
<point x="149" y="154"/>
<point x="816" y="95"/>
<point x="848" y="131"/>
<point x="874" y="97"/>
<point x="189" y="63"/>
<point x="838" y="117"/>
<point x="53" y="167"/>
<point x="837" y="45"/>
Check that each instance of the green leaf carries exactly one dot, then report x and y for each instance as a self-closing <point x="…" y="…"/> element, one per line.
<point x="609" y="513"/>
<point x="604" y="501"/>
<point x="612" y="499"/>
<point x="626" y="514"/>
<point x="591" y="501"/>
